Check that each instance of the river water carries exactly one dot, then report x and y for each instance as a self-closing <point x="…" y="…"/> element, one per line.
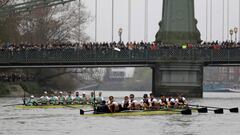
<point x="68" y="121"/>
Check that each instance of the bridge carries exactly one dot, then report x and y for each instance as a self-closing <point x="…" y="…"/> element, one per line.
<point x="123" y="58"/>
<point x="175" y="70"/>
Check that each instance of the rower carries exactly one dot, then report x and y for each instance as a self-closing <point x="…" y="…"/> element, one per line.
<point x="112" y="105"/>
<point x="53" y="99"/>
<point x="163" y="101"/>
<point x="31" y="101"/>
<point x="145" y="102"/>
<point x="100" y="98"/>
<point x="125" y="104"/>
<point x="181" y="101"/>
<point x="102" y="108"/>
<point x="91" y="98"/>
<point x="61" y="99"/>
<point x="84" y="98"/>
<point x="69" y="98"/>
<point x="171" y="102"/>
<point x="44" y="99"/>
<point x="153" y="102"/>
<point x="133" y="104"/>
<point x="77" y="98"/>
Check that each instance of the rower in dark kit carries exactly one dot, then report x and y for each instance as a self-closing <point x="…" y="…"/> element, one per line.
<point x="163" y="102"/>
<point x="145" y="102"/>
<point x="125" y="104"/>
<point x="102" y="108"/>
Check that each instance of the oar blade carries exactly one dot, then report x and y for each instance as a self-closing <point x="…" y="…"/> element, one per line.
<point x="81" y="112"/>
<point x="233" y="110"/>
<point x="186" y="112"/>
<point x="218" y="111"/>
<point x="202" y="110"/>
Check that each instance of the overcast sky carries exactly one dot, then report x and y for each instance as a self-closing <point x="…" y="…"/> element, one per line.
<point x="155" y="12"/>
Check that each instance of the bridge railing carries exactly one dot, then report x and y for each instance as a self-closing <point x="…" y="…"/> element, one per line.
<point x="71" y="55"/>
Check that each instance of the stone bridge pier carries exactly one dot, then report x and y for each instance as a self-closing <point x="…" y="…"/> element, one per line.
<point x="171" y="79"/>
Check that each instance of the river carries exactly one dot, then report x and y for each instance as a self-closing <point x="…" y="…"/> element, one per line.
<point x="68" y="121"/>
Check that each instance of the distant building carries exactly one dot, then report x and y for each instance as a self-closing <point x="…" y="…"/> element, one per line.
<point x="120" y="73"/>
<point x="227" y="77"/>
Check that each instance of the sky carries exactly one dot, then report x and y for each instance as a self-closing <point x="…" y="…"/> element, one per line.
<point x="104" y="25"/>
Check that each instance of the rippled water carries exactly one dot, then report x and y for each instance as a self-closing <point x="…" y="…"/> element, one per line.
<point x="68" y="121"/>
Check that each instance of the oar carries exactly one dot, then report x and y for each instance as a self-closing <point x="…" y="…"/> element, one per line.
<point x="218" y="109"/>
<point x="11" y="105"/>
<point x="186" y="111"/>
<point x="82" y="111"/>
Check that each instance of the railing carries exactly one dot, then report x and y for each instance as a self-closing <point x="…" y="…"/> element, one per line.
<point x="81" y="56"/>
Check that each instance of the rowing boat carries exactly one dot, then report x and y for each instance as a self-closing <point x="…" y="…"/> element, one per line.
<point x="54" y="106"/>
<point x="139" y="113"/>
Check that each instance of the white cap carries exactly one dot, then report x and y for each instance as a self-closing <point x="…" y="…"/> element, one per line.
<point x="32" y="96"/>
<point x="60" y="92"/>
<point x="84" y="93"/>
<point x="45" y="92"/>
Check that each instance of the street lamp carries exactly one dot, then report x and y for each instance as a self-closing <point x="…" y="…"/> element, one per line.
<point x="235" y="31"/>
<point x="231" y="33"/>
<point x="120" y="30"/>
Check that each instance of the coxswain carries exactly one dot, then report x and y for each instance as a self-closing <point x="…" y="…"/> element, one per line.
<point x="53" y="99"/>
<point x="69" y="98"/>
<point x="44" y="99"/>
<point x="31" y="101"/>
<point x="145" y="102"/>
<point x="125" y="103"/>
<point x="153" y="102"/>
<point x="61" y="98"/>
<point x="102" y="108"/>
<point x="112" y="105"/>
<point x="100" y="98"/>
<point x="77" y="98"/>
<point x="133" y="104"/>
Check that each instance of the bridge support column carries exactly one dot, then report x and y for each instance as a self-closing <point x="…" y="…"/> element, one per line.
<point x="178" y="78"/>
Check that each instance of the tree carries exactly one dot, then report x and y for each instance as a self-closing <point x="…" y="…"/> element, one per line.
<point x="60" y="23"/>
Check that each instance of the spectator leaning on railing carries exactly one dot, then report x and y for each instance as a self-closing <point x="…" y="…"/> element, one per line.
<point x="105" y="46"/>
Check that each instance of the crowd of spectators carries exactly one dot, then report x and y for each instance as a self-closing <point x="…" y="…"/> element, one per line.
<point x="114" y="46"/>
<point x="15" y="77"/>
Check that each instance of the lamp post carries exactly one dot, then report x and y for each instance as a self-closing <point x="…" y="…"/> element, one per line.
<point x="235" y="32"/>
<point x="120" y="30"/>
<point x="231" y="33"/>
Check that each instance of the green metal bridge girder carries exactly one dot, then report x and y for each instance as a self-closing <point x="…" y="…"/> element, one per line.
<point x="29" y="6"/>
